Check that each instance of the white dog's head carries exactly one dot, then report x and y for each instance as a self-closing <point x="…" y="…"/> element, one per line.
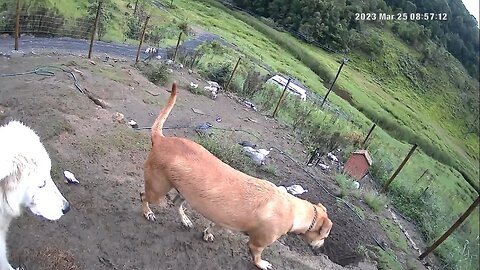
<point x="25" y="174"/>
<point x="43" y="198"/>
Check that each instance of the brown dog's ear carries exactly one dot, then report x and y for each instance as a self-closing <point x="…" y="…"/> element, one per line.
<point x="326" y="227"/>
<point x="323" y="207"/>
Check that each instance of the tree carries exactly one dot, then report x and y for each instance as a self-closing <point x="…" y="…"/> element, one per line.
<point x="106" y="15"/>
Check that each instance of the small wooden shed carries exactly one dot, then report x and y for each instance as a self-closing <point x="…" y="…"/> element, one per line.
<point x="358" y="164"/>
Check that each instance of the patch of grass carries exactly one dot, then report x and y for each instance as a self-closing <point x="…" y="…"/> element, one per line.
<point x="121" y="138"/>
<point x="394" y="234"/>
<point x="195" y="90"/>
<point x="359" y="212"/>
<point x="231" y="154"/>
<point x="157" y="73"/>
<point x="53" y="124"/>
<point x="386" y="260"/>
<point x="269" y="169"/>
<point x="346" y="186"/>
<point x="375" y="201"/>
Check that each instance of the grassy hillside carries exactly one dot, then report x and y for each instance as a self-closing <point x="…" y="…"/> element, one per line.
<point x="414" y="100"/>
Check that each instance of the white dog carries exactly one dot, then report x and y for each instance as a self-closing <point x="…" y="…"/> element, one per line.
<point x="25" y="181"/>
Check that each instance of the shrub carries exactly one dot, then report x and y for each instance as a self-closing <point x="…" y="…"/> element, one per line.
<point x="252" y="84"/>
<point x="133" y="28"/>
<point x="346" y="186"/>
<point x="218" y="72"/>
<point x="230" y="154"/>
<point x="386" y="260"/>
<point x="156" y="73"/>
<point x="394" y="234"/>
<point x="375" y="201"/>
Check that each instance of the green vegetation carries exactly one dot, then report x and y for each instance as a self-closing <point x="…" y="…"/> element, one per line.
<point x="394" y="234"/>
<point x="232" y="154"/>
<point x="386" y="259"/>
<point x="375" y="201"/>
<point x="156" y="73"/>
<point x="346" y="186"/>
<point x="337" y="24"/>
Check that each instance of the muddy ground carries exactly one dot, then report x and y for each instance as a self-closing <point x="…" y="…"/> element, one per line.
<point x="105" y="228"/>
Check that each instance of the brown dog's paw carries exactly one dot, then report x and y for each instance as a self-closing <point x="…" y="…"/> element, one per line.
<point x="150" y="216"/>
<point x="208" y="237"/>
<point x="264" y="265"/>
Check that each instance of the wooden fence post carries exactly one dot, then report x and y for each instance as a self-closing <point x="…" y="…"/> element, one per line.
<point x="368" y="135"/>
<point x="194" y="58"/>
<point x="281" y="98"/>
<point x="100" y="2"/>
<point x="421" y="176"/>
<point x="142" y="36"/>
<point x="231" y="75"/>
<point x="442" y="238"/>
<point x="176" y="48"/>
<point x="345" y="60"/>
<point x="385" y="187"/>
<point x="17" y="24"/>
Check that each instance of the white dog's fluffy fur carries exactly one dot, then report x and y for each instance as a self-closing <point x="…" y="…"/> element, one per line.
<point x="25" y="181"/>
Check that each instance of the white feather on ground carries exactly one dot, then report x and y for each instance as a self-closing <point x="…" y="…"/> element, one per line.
<point x="70" y="177"/>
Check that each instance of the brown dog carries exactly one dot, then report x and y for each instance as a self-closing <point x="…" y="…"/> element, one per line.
<point x="225" y="196"/>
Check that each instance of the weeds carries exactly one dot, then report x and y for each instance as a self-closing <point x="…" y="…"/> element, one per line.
<point x="195" y="90"/>
<point x="394" y="234"/>
<point x="156" y="73"/>
<point x="230" y="154"/>
<point x="386" y="260"/>
<point x="346" y="186"/>
<point x="218" y="73"/>
<point x="375" y="201"/>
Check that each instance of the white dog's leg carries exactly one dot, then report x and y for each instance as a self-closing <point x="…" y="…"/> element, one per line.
<point x="179" y="202"/>
<point x="4" y="265"/>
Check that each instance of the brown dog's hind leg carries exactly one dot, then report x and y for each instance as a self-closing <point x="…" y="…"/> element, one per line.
<point x="257" y="244"/>
<point x="208" y="232"/>
<point x="156" y="187"/>
<point x="179" y="202"/>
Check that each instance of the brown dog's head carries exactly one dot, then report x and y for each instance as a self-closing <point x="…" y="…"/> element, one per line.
<point x="316" y="236"/>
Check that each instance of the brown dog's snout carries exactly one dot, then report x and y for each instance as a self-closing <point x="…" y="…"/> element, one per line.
<point x="66" y="208"/>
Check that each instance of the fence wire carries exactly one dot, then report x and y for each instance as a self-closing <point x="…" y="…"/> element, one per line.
<point x="46" y="26"/>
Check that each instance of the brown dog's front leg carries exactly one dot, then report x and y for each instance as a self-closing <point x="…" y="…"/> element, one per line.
<point x="256" y="251"/>
<point x="147" y="212"/>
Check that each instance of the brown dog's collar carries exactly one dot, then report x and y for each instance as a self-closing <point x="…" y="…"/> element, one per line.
<point x="314" y="221"/>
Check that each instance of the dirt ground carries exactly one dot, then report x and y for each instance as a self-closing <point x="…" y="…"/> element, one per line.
<point x="106" y="229"/>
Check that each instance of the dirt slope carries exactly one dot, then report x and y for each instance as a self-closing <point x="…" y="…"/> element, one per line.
<point x="105" y="229"/>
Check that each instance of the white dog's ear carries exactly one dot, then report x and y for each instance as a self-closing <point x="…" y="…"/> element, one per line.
<point x="8" y="167"/>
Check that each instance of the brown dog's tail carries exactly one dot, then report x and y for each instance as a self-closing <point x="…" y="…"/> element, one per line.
<point x="158" y="125"/>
